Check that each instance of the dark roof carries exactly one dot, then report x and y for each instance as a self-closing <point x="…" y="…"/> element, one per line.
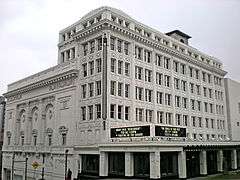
<point x="179" y="33"/>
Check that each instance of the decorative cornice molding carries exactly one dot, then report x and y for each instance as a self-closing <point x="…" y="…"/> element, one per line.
<point x="109" y="25"/>
<point x="48" y="81"/>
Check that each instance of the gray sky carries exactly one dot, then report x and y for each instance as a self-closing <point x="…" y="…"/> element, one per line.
<point x="29" y="29"/>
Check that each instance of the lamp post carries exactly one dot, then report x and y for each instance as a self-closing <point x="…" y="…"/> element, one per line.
<point x="66" y="154"/>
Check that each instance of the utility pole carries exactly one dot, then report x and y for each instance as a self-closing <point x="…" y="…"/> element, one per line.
<point x="12" y="173"/>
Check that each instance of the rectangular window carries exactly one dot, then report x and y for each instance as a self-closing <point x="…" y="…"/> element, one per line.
<point x="49" y="140"/>
<point x="112" y="43"/>
<point x="183" y="68"/>
<point x="159" y="116"/>
<point x="113" y="88"/>
<point x="199" y="105"/>
<point x="98" y="111"/>
<point x="178" y="119"/>
<point x="167" y="80"/>
<point x="84" y="69"/>
<point x="159" y="78"/>
<point x="99" y="65"/>
<point x="147" y="56"/>
<point x="139" y="114"/>
<point x="184" y="85"/>
<point x="159" y="97"/>
<point x="84" y="92"/>
<point x="206" y="122"/>
<point x="119" y="45"/>
<point x="176" y="83"/>
<point x="184" y="102"/>
<point x="64" y="139"/>
<point x="185" y="120"/>
<point x="168" y="99"/>
<point x="175" y="66"/>
<point x="166" y="63"/>
<point x="35" y="140"/>
<point x="139" y="93"/>
<point x="138" y="53"/>
<point x="127" y="69"/>
<point x="85" y="49"/>
<point x="120" y="89"/>
<point x="83" y="113"/>
<point x="200" y="121"/>
<point x="92" y="46"/>
<point x="138" y="73"/>
<point x="113" y="65"/>
<point x="148" y="95"/>
<point x="112" y="110"/>
<point x="193" y="104"/>
<point x="127" y="89"/>
<point x="90" y="85"/>
<point x="127" y="112"/>
<point x="158" y="61"/>
<point x="168" y="118"/>
<point x="99" y="88"/>
<point x="149" y="115"/>
<point x="99" y="41"/>
<point x="90" y="112"/>
<point x="148" y="75"/>
<point x="120" y="67"/>
<point x="120" y="112"/>
<point x="177" y="101"/>
<point x="126" y="46"/>
<point x="91" y="67"/>
<point x="193" y="121"/>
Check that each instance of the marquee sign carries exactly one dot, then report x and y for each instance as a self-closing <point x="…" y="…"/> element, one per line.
<point x="134" y="131"/>
<point x="170" y="131"/>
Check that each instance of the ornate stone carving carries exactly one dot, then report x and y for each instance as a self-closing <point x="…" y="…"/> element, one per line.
<point x="61" y="84"/>
<point x="63" y="130"/>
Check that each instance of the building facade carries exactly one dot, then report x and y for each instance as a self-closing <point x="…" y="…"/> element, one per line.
<point x="233" y="109"/>
<point x="124" y="100"/>
<point x="2" y="115"/>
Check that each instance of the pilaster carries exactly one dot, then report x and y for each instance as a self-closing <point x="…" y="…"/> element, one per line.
<point x="129" y="164"/>
<point x="182" y="169"/>
<point x="103" y="167"/>
<point x="234" y="159"/>
<point x="220" y="161"/>
<point x="155" y="165"/>
<point x="203" y="163"/>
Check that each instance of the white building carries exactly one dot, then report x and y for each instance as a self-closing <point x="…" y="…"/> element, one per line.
<point x="233" y="109"/>
<point x="122" y="96"/>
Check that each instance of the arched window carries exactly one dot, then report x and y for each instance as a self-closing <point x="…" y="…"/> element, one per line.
<point x="182" y="41"/>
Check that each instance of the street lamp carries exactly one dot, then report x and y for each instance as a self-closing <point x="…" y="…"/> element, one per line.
<point x="66" y="154"/>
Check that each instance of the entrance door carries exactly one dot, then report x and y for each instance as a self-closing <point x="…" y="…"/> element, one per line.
<point x="116" y="164"/>
<point x="227" y="166"/>
<point x="169" y="164"/>
<point x="90" y="164"/>
<point x="193" y="163"/>
<point x="141" y="164"/>
<point x="212" y="162"/>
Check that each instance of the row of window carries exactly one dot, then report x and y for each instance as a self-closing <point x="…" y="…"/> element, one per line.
<point x="200" y="136"/>
<point x="91" y="89"/>
<point x="119" y="112"/>
<point x="117" y="67"/>
<point x="87" y="112"/>
<point x="68" y="54"/>
<point x="119" y="45"/>
<point x="92" y="46"/>
<point x="92" y="67"/>
<point x="119" y="89"/>
<point x="35" y="139"/>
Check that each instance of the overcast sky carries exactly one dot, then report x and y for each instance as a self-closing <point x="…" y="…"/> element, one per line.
<point x="29" y="29"/>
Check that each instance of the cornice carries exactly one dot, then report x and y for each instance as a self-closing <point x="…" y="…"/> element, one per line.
<point x="48" y="81"/>
<point x="109" y="25"/>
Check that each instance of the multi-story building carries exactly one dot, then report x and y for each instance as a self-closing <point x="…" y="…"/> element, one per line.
<point x="122" y="97"/>
<point x="233" y="108"/>
<point x="2" y="114"/>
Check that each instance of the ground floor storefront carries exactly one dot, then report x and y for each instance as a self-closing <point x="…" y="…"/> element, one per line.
<point x="160" y="163"/>
<point x="140" y="161"/>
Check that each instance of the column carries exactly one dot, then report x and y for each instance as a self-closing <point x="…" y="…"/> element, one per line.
<point x="129" y="164"/>
<point x="220" y="161"/>
<point x="182" y="169"/>
<point x="80" y="163"/>
<point x="71" y="53"/>
<point x="203" y="163"/>
<point x="155" y="165"/>
<point x="234" y="159"/>
<point x="103" y="164"/>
